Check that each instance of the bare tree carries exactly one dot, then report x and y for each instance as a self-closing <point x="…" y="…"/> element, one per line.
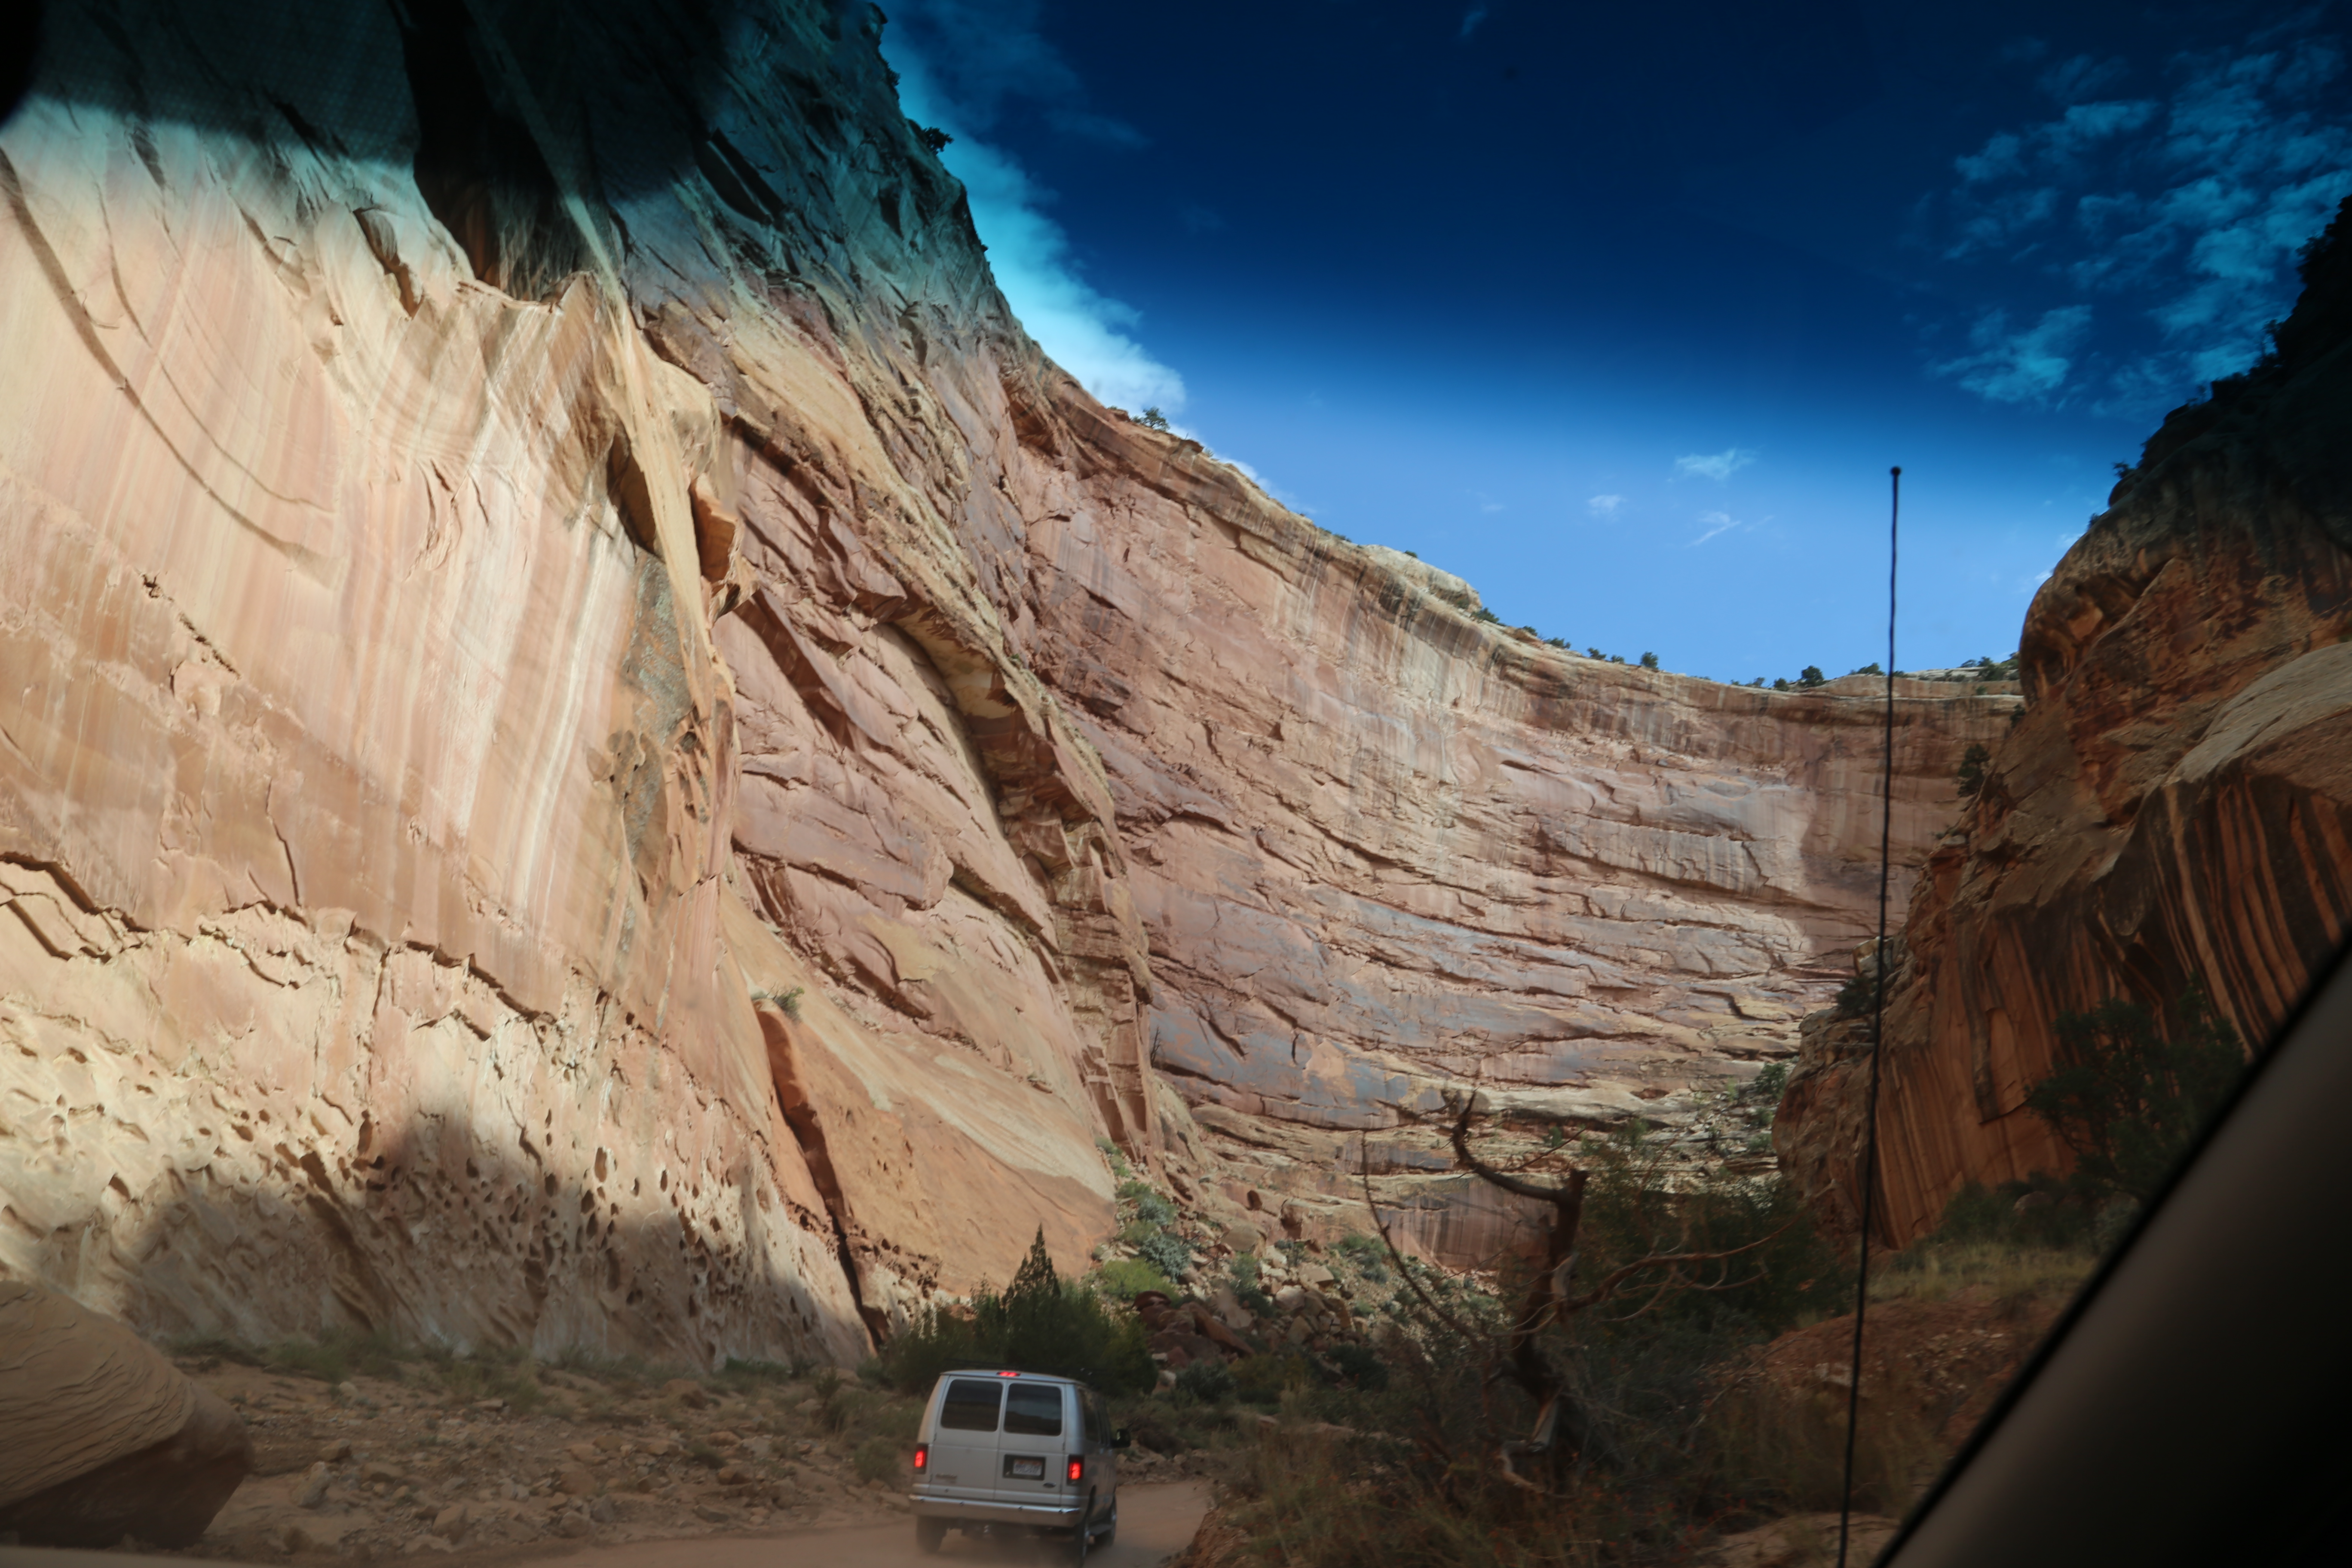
<point x="1517" y="1353"/>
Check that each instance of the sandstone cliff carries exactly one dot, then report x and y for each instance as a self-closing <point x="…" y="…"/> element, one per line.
<point x="598" y="751"/>
<point x="2174" y="807"/>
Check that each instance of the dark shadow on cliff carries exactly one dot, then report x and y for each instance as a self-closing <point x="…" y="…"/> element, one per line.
<point x="439" y="1233"/>
<point x="523" y="120"/>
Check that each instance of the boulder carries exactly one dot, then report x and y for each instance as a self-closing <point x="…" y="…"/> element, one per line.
<point x="105" y="1438"/>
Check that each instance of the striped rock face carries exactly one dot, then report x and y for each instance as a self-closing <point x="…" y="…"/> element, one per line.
<point x="599" y="752"/>
<point x="2174" y="810"/>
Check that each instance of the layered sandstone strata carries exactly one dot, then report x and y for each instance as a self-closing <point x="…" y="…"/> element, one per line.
<point x="599" y="752"/>
<point x="2174" y="808"/>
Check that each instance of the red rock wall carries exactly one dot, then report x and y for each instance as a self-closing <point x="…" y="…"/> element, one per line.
<point x="2173" y="809"/>
<point x="598" y="751"/>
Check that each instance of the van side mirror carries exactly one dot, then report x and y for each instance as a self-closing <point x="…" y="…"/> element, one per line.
<point x="1120" y="1439"/>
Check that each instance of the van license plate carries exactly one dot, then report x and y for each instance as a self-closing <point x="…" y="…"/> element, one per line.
<point x="1024" y="1470"/>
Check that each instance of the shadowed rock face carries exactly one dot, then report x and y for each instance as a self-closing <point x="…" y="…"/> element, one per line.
<point x="600" y="752"/>
<point x="105" y="1438"/>
<point x="2173" y="809"/>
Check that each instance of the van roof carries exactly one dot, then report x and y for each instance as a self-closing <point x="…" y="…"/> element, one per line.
<point x="1005" y="1372"/>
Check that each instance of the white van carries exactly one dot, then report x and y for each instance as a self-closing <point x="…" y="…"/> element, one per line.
<point x="1006" y="1451"/>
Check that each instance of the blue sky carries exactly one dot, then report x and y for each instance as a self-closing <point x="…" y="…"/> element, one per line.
<point x="1623" y="312"/>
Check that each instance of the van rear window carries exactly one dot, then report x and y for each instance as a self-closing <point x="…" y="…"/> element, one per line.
<point x="1034" y="1409"/>
<point x="971" y="1406"/>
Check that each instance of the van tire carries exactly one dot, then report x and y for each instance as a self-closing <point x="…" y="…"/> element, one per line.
<point x="1110" y="1536"/>
<point x="929" y="1535"/>
<point x="1083" y="1536"/>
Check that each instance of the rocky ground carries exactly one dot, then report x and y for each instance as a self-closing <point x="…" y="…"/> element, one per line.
<point x="408" y="1459"/>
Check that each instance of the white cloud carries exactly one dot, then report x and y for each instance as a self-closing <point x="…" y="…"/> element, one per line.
<point x="2025" y="366"/>
<point x="1716" y="466"/>
<point x="2187" y="208"/>
<point x="960" y="61"/>
<point x="1718" y="522"/>
<point x="1604" y="506"/>
<point x="1470" y="20"/>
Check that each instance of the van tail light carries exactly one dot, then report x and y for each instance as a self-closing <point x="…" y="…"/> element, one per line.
<point x="1077" y="1467"/>
<point x="922" y="1457"/>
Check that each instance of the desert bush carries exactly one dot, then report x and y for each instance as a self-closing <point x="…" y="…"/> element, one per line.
<point x="1151" y="1208"/>
<point x="1649" y="661"/>
<point x="2128" y="1100"/>
<point x="1171" y="1255"/>
<point x="881" y="1459"/>
<point x="1207" y="1381"/>
<point x="1125" y="1278"/>
<point x="1971" y="777"/>
<point x="1248" y="1285"/>
<point x="1039" y="1323"/>
<point x="1811" y="676"/>
<point x="1261" y="1379"/>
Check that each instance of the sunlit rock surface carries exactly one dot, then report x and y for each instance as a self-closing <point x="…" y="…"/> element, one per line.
<point x="2174" y="808"/>
<point x="596" y="751"/>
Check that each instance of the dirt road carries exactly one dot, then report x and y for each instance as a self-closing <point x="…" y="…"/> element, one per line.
<point x="1155" y="1522"/>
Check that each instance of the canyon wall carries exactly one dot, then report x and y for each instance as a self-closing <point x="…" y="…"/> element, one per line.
<point x="599" y="752"/>
<point x="2173" y="809"/>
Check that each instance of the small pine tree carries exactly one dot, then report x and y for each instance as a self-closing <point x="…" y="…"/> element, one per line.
<point x="1154" y="418"/>
<point x="1649" y="661"/>
<point x="1781" y="683"/>
<point x="933" y="138"/>
<point x="1811" y="676"/>
<point x="1971" y="778"/>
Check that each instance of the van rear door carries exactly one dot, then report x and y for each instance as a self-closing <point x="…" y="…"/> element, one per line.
<point x="1038" y="1440"/>
<point x="963" y="1445"/>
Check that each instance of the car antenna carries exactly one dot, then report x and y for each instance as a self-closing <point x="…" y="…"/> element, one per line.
<point x="1878" y="1028"/>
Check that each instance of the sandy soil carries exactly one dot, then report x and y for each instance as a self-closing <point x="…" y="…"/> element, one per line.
<point x="382" y="1467"/>
<point x="1155" y="1522"/>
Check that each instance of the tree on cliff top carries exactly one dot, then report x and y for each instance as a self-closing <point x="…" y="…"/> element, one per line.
<point x="2129" y="1102"/>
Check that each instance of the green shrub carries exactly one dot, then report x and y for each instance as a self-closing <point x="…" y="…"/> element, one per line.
<point x="1260" y="1379"/>
<point x="880" y="1459"/>
<point x="1971" y="777"/>
<point x="2130" y="1102"/>
<point x="743" y="1377"/>
<point x="1128" y="1277"/>
<point x="1040" y="1324"/>
<point x="1486" y="617"/>
<point x="1857" y="996"/>
<point x="1811" y="676"/>
<point x="1154" y="418"/>
<point x="1649" y="661"/>
<point x="1150" y="1208"/>
<point x="1248" y="1287"/>
<point x="1169" y="1254"/>
<point x="1358" y="1367"/>
<point x="1209" y="1381"/>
